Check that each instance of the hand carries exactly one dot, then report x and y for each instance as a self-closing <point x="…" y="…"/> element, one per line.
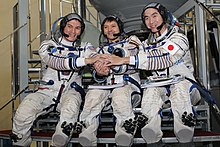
<point x="94" y="59"/>
<point x="101" y="68"/>
<point x="116" y="60"/>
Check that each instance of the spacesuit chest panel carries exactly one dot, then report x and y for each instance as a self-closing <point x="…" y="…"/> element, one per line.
<point x="121" y="49"/>
<point x="67" y="52"/>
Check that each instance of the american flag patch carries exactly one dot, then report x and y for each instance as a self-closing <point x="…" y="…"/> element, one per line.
<point x="171" y="47"/>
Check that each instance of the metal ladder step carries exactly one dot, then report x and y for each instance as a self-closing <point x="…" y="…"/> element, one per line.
<point x="35" y="52"/>
<point x="34" y="60"/>
<point x="36" y="69"/>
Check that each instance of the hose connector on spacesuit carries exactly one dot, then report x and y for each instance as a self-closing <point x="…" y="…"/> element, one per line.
<point x="127" y="78"/>
<point x="116" y="51"/>
<point x="120" y="69"/>
<point x="78" y="88"/>
<point x="97" y="78"/>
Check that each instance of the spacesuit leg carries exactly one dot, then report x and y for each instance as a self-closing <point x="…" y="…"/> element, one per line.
<point x="150" y="107"/>
<point x="136" y="98"/>
<point x="29" y="109"/>
<point x="69" y="111"/>
<point x="122" y="108"/>
<point x="94" y="103"/>
<point x="182" y="108"/>
<point x="195" y="96"/>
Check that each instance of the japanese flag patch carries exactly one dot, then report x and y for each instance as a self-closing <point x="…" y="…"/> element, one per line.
<point x="171" y="47"/>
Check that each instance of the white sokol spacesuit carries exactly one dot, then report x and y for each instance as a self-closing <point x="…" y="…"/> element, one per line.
<point x="167" y="55"/>
<point x="63" y="61"/>
<point x="121" y="100"/>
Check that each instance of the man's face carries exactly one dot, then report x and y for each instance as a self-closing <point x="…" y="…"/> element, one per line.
<point x="72" y="29"/>
<point x="111" y="28"/>
<point x="153" y="19"/>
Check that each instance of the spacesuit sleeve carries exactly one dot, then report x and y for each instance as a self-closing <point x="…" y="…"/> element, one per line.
<point x="170" y="53"/>
<point x="56" y="60"/>
<point x="89" y="51"/>
<point x="98" y="78"/>
<point x="134" y="40"/>
<point x="133" y="45"/>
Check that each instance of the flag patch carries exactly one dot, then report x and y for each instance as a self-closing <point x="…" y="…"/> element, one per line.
<point x="171" y="47"/>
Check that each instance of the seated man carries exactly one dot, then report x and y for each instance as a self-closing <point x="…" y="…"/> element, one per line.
<point x="115" y="43"/>
<point x="63" y="57"/>
<point x="166" y="53"/>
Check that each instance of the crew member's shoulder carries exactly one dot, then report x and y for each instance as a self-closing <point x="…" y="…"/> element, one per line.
<point x="133" y="37"/>
<point x="49" y="42"/>
<point x="177" y="32"/>
<point x="88" y="45"/>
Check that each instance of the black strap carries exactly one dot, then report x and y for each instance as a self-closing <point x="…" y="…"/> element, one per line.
<point x="126" y="77"/>
<point x="203" y="91"/>
<point x="57" y="100"/>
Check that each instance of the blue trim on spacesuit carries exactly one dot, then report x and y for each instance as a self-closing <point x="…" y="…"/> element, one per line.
<point x="154" y="46"/>
<point x="79" y="89"/>
<point x="111" y="45"/>
<point x="70" y="48"/>
<point x="204" y="92"/>
<point x="126" y="77"/>
<point x="99" y="79"/>
<point x="72" y="62"/>
<point x="136" y="61"/>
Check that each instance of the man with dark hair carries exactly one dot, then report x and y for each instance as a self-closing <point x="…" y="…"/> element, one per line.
<point x="166" y="53"/>
<point x="114" y="42"/>
<point x="62" y="58"/>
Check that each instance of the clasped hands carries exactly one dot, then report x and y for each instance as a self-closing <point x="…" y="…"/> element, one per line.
<point x="103" y="62"/>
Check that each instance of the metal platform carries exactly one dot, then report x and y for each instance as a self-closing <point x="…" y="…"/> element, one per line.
<point x="108" y="137"/>
<point x="45" y="127"/>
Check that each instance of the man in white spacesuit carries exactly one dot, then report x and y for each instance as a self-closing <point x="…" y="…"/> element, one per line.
<point x="166" y="53"/>
<point x="117" y="43"/>
<point x="62" y="57"/>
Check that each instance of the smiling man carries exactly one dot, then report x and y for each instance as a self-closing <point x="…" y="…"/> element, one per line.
<point x="62" y="58"/>
<point x="117" y="43"/>
<point x="166" y="53"/>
